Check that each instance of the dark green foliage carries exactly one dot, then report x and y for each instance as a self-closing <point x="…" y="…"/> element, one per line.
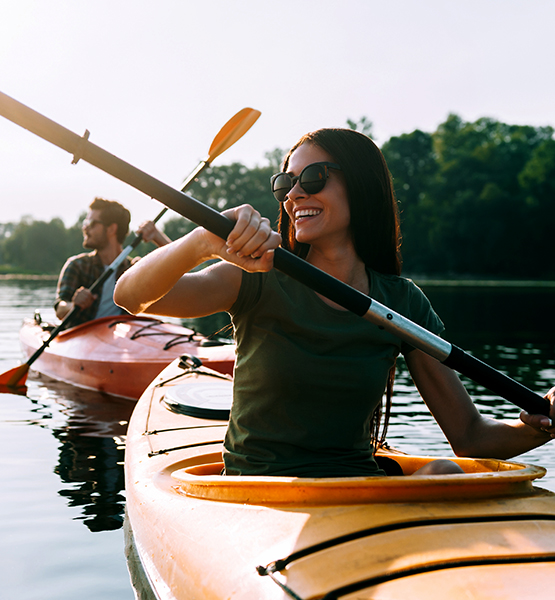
<point x="475" y="198"/>
<point x="38" y="247"/>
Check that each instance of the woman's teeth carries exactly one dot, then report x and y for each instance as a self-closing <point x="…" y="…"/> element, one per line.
<point x="306" y="212"/>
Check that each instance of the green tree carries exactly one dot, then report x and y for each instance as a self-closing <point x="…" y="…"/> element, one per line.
<point x="475" y="203"/>
<point x="364" y="125"/>
<point x="38" y="246"/>
<point x="6" y="230"/>
<point x="537" y="180"/>
<point x="474" y="197"/>
<point x="413" y="164"/>
<point x="275" y="159"/>
<point x="177" y="227"/>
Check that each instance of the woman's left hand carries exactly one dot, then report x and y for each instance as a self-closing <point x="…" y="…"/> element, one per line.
<point x="541" y="422"/>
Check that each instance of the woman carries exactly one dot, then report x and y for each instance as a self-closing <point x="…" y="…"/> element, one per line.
<point x="310" y="376"/>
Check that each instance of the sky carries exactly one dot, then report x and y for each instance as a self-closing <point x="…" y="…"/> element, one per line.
<point x="154" y="81"/>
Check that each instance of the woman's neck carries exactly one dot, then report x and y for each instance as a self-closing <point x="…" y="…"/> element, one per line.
<point x="343" y="264"/>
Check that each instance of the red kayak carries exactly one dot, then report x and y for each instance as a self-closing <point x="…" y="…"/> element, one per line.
<point x="119" y="355"/>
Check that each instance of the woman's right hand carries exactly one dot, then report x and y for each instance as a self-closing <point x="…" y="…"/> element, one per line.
<point x="251" y="243"/>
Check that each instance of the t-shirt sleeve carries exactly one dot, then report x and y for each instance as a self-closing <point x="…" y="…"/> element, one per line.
<point x="422" y="313"/>
<point x="249" y="292"/>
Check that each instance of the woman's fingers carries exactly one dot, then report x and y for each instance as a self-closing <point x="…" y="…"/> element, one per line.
<point x="541" y="422"/>
<point x="251" y="243"/>
<point x="252" y="234"/>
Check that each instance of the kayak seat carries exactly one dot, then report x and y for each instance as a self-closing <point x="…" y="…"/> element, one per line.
<point x="391" y="467"/>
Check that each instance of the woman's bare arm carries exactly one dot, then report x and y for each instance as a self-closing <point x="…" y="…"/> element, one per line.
<point x="469" y="432"/>
<point x="161" y="282"/>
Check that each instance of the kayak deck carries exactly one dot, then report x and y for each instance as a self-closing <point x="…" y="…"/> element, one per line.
<point x="119" y="355"/>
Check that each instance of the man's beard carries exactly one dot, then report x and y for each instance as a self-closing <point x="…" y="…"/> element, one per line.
<point x="95" y="245"/>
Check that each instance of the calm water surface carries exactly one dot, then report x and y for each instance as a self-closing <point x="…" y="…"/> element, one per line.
<point x="62" y="497"/>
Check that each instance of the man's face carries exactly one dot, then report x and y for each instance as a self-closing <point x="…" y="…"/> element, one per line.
<point x="94" y="231"/>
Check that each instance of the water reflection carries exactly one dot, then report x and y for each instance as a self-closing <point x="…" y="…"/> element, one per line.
<point x="93" y="464"/>
<point x="90" y="428"/>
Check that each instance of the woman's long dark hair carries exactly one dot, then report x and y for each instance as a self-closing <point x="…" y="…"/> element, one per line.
<point x="374" y="217"/>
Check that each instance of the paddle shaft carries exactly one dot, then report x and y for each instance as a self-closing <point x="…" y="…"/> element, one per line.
<point x="285" y="261"/>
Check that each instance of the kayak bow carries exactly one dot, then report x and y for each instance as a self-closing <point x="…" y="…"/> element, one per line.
<point x="119" y="355"/>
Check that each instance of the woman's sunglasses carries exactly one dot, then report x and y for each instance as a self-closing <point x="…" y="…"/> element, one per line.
<point x="312" y="180"/>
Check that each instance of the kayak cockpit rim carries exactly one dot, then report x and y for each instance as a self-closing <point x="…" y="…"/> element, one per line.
<point x="483" y="478"/>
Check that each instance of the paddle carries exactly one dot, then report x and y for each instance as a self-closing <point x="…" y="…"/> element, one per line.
<point x="297" y="268"/>
<point x="232" y="131"/>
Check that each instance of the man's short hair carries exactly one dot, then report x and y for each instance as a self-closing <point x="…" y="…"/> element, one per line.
<point x="113" y="212"/>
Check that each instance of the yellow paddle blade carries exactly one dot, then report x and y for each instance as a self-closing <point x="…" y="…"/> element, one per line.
<point x="233" y="130"/>
<point x="14" y="378"/>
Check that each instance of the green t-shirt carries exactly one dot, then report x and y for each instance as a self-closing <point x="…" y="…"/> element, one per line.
<point x="308" y="376"/>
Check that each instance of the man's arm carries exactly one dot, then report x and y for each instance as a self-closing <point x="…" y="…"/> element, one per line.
<point x="71" y="290"/>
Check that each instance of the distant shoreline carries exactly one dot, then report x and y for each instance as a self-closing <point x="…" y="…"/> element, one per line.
<point x="13" y="276"/>
<point x="536" y="283"/>
<point x="421" y="281"/>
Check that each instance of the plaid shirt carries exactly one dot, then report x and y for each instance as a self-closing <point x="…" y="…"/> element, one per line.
<point x="83" y="270"/>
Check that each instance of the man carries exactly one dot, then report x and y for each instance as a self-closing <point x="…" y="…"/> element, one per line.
<point x="104" y="231"/>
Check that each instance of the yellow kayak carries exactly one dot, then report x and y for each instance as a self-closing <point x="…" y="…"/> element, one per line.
<point x="194" y="534"/>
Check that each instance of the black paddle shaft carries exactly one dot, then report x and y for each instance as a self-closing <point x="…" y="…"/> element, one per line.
<point x="286" y="262"/>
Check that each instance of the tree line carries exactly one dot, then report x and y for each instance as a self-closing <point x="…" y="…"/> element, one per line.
<point x="475" y="199"/>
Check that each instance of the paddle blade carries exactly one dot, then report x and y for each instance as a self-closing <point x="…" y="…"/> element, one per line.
<point x="233" y="130"/>
<point x="14" y="378"/>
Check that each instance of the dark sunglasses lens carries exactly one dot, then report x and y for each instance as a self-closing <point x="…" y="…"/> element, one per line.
<point x="313" y="179"/>
<point x="281" y="185"/>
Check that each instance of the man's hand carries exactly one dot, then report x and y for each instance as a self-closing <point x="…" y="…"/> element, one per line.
<point x="150" y="233"/>
<point x="83" y="298"/>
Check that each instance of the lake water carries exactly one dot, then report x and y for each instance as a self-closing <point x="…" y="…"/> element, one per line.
<point x="62" y="497"/>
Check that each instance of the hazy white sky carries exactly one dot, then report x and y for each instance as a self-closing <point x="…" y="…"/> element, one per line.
<point x="155" y="80"/>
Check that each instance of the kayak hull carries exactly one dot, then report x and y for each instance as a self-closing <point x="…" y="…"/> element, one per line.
<point x="118" y="355"/>
<point x="487" y="533"/>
